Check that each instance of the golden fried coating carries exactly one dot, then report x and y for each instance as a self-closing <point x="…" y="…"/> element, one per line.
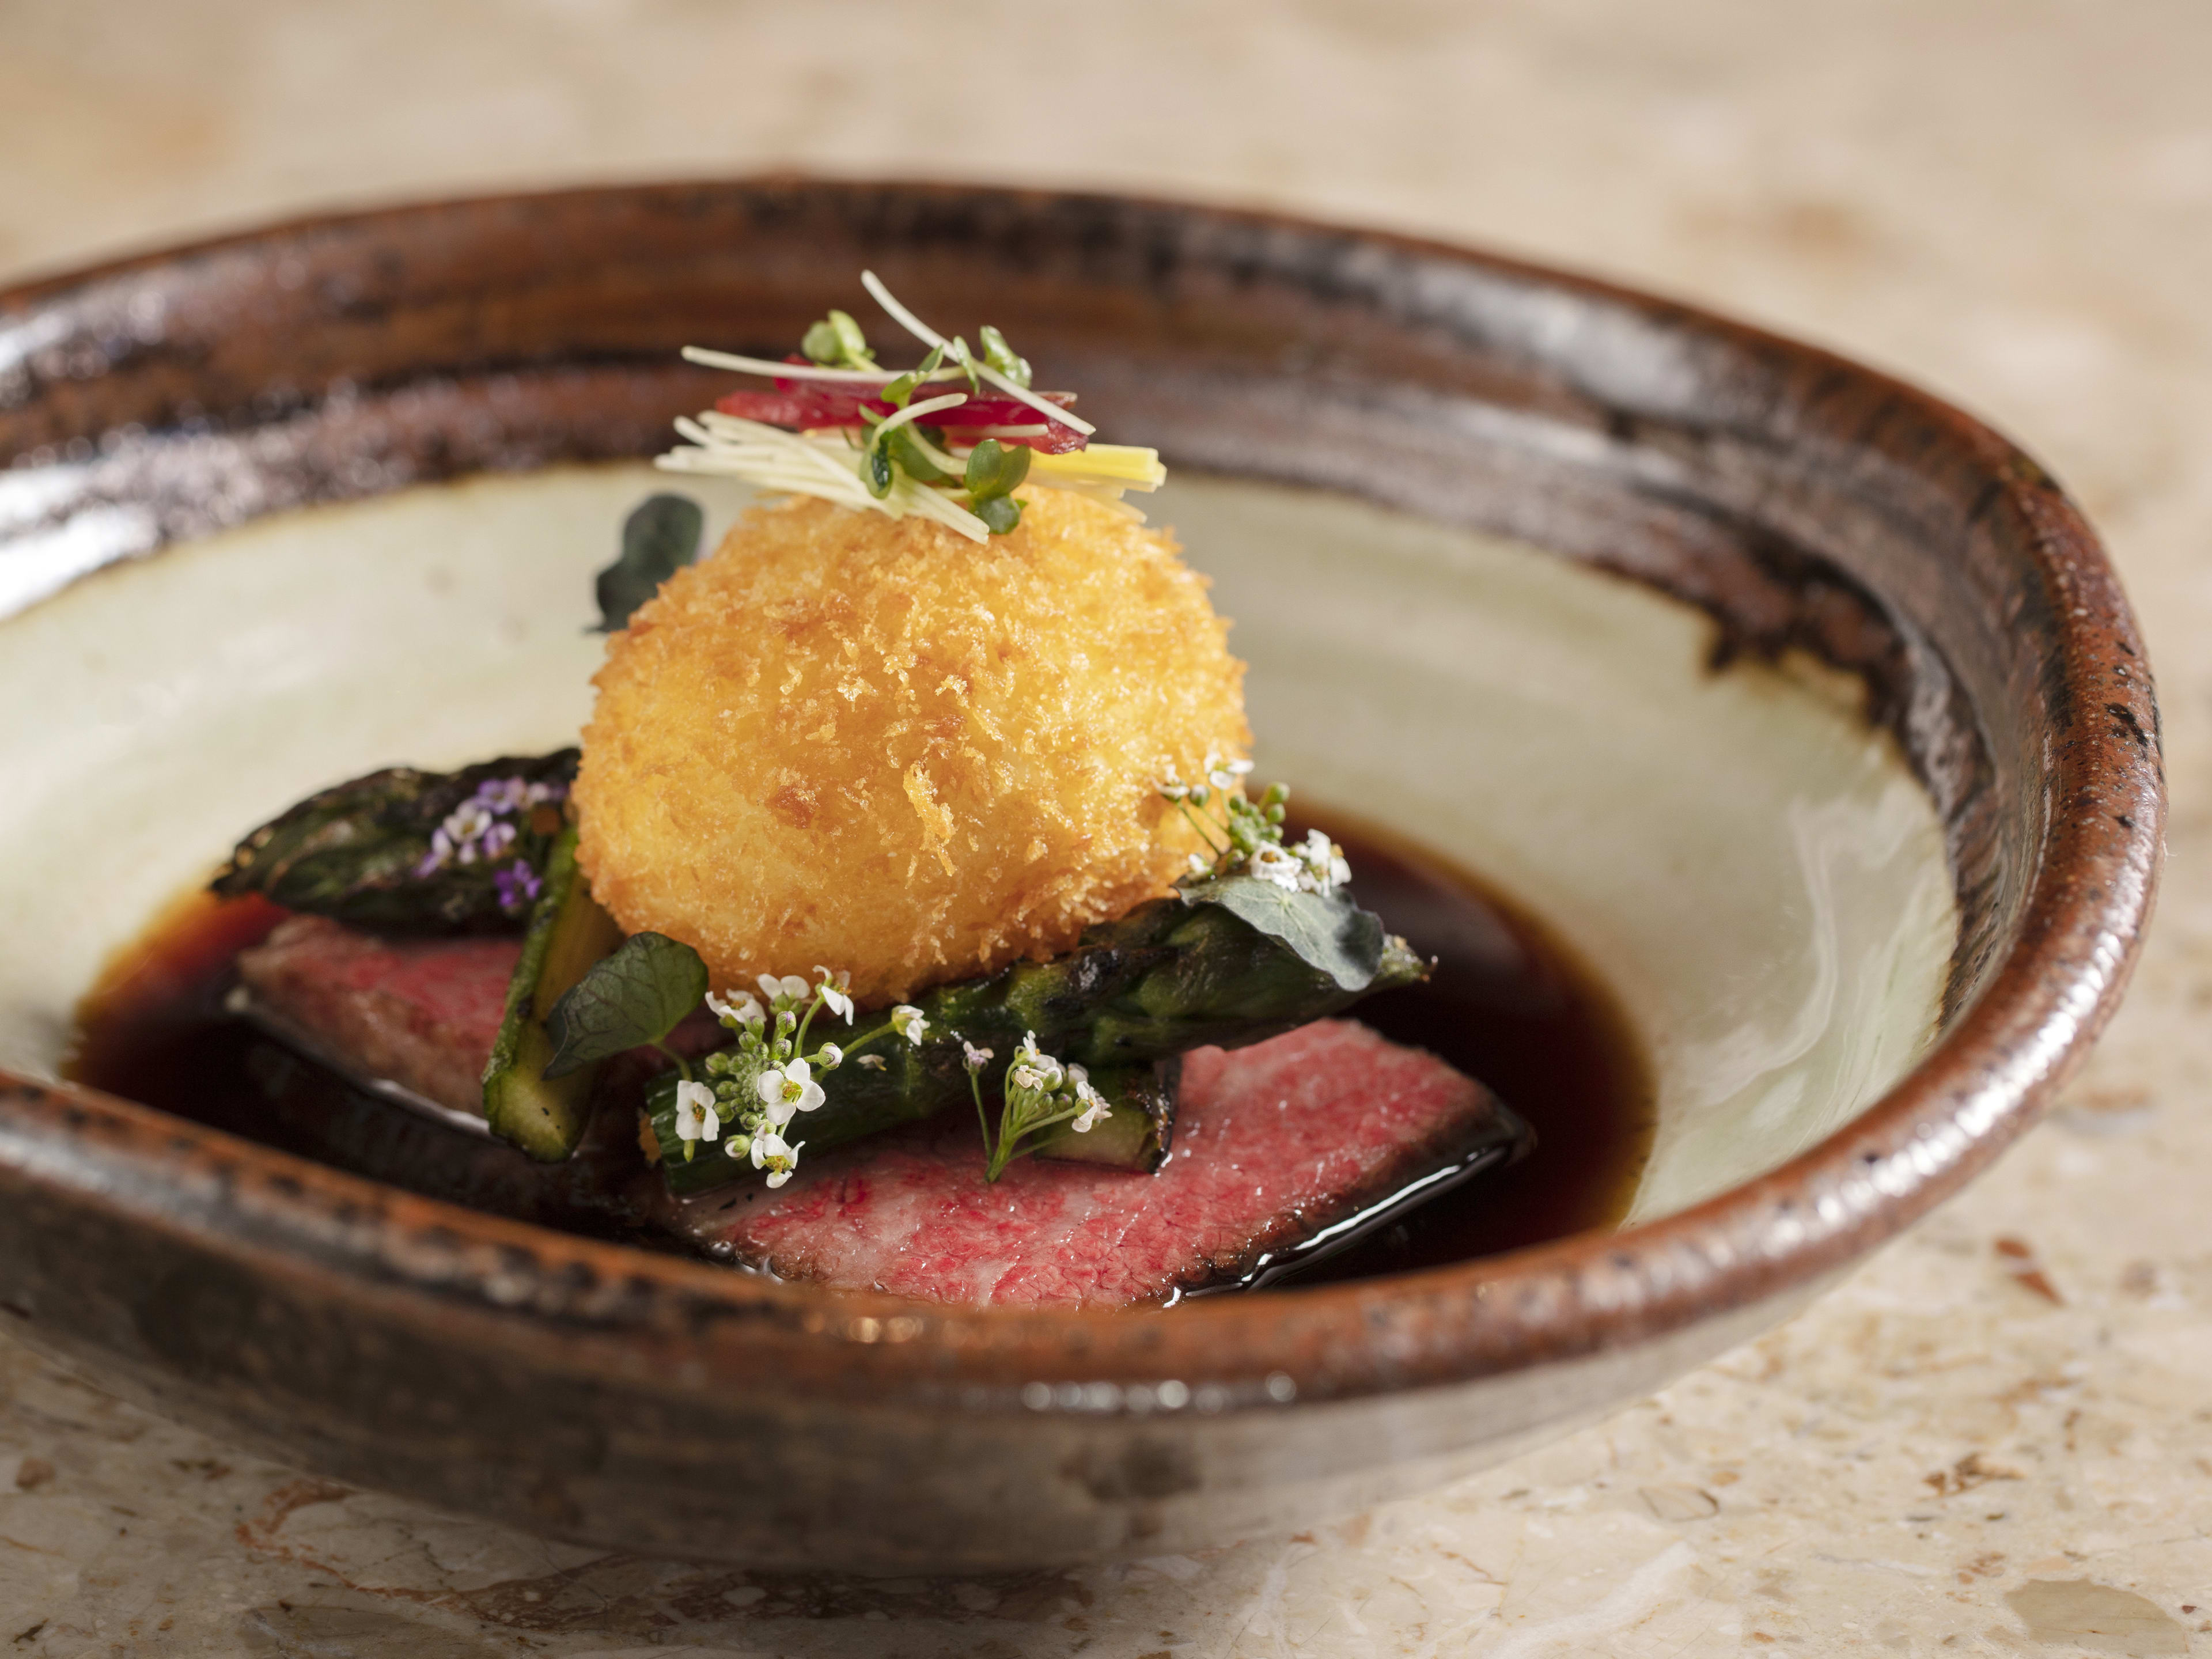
<point x="873" y="746"/>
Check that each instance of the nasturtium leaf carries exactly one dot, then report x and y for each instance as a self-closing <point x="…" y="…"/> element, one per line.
<point x="1326" y="932"/>
<point x="638" y="995"/>
<point x="995" y="469"/>
<point x="999" y="514"/>
<point x="1001" y="356"/>
<point x="659" y="538"/>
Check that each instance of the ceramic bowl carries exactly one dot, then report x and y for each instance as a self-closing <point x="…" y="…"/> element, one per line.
<point x="1802" y="705"/>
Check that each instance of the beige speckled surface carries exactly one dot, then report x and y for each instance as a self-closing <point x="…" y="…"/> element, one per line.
<point x="1997" y="1437"/>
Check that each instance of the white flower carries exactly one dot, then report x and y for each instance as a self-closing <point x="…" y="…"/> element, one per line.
<point x="468" y="821"/>
<point x="870" y="1062"/>
<point x="1200" y="864"/>
<point x="833" y="994"/>
<point x="787" y="1089"/>
<point x="831" y="1056"/>
<point x="1324" y="862"/>
<point x="772" y="1152"/>
<point x="787" y="991"/>
<point x="972" y="1057"/>
<point x="1024" y="1076"/>
<point x="1044" y="1071"/>
<point x="909" y="1022"/>
<point x="743" y="1010"/>
<point x="1087" y="1118"/>
<point x="696" y="1116"/>
<point x="1172" y="786"/>
<point x="1222" y="775"/>
<point x="1272" y="863"/>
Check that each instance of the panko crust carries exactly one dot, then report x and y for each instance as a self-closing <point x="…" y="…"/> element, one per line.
<point x="870" y="744"/>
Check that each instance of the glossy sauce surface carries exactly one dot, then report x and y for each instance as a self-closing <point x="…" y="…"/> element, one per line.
<point x="1506" y="1004"/>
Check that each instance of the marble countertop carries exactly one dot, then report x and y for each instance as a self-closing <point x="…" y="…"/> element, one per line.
<point x="1996" y="1437"/>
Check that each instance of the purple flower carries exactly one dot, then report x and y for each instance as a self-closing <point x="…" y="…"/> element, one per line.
<point x="517" y="885"/>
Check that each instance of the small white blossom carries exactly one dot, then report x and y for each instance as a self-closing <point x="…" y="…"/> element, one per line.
<point x="1024" y="1076"/>
<point x="772" y="1152"/>
<point x="973" y="1058"/>
<point x="830" y="1055"/>
<point x="1172" y="786"/>
<point x="911" y="1023"/>
<point x="742" y="1009"/>
<point x="696" y="1117"/>
<point x="786" y="991"/>
<point x="1042" y="1071"/>
<point x="1094" y="1108"/>
<point x="1222" y="775"/>
<point x="789" y="1089"/>
<point x="1200" y="864"/>
<point x="463" y="827"/>
<point x="1324" y="862"/>
<point x="1272" y="863"/>
<point x="833" y="994"/>
<point x="870" y="1062"/>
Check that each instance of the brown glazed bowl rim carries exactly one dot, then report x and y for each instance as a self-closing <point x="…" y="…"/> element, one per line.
<point x="570" y="1304"/>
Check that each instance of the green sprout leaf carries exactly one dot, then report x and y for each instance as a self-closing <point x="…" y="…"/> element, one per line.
<point x="999" y="514"/>
<point x="900" y="445"/>
<point x="876" y="469"/>
<point x="1001" y="356"/>
<point x="995" y="469"/>
<point x="659" y="538"/>
<point x="900" y="391"/>
<point x="1327" y="932"/>
<point x="836" y="342"/>
<point x="634" y="997"/>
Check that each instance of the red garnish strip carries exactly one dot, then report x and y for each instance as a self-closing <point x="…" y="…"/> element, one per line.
<point x="812" y="406"/>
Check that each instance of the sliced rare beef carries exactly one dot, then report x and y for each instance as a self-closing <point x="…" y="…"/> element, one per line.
<point x="1273" y="1143"/>
<point x="420" y="1013"/>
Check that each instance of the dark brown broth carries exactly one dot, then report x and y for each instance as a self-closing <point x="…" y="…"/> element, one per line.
<point x="1507" y="1005"/>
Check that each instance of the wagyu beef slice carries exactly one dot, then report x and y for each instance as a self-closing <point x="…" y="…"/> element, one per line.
<point x="423" y="1013"/>
<point x="1272" y="1143"/>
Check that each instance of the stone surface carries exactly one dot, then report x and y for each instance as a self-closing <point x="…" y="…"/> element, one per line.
<point x="1997" y="1439"/>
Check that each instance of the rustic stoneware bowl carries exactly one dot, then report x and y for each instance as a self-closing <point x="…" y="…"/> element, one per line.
<point x="1802" y="705"/>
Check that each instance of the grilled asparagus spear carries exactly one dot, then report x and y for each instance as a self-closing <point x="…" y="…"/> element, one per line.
<point x="403" y="851"/>
<point x="1174" y="974"/>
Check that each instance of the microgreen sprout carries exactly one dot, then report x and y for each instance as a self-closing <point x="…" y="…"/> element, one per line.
<point x="1039" y="1092"/>
<point x="842" y="427"/>
<point x="836" y="342"/>
<point x="1245" y="837"/>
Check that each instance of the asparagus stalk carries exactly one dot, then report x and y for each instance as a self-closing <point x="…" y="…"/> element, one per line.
<point x="1174" y="974"/>
<point x="404" y="851"/>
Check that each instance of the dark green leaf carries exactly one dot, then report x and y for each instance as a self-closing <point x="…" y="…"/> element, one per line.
<point x="996" y="469"/>
<point x="999" y="514"/>
<point x="876" y="469"/>
<point x="660" y="537"/>
<point x="635" y="996"/>
<point x="1001" y="356"/>
<point x="1330" y="933"/>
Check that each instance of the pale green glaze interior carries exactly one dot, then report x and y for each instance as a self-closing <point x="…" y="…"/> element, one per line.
<point x="1750" y="866"/>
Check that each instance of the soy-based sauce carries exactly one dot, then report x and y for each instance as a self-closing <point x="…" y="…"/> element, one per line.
<point x="1507" y="1005"/>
